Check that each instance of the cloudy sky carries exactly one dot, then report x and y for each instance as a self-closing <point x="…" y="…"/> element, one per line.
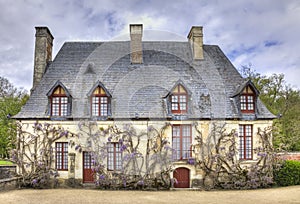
<point x="263" y="33"/>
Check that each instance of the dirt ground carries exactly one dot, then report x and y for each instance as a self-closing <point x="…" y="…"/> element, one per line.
<point x="286" y="195"/>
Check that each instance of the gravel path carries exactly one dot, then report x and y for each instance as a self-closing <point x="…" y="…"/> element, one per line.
<point x="286" y="195"/>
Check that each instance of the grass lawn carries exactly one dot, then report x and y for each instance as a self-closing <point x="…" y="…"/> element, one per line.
<point x="3" y="162"/>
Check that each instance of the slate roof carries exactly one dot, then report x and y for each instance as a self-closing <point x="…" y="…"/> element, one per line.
<point x="140" y="90"/>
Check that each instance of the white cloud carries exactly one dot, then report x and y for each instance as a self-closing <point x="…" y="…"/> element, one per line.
<point x="240" y="28"/>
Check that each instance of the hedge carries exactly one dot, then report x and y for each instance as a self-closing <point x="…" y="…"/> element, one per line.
<point x="288" y="174"/>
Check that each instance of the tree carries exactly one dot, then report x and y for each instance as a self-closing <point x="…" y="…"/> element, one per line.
<point x="283" y="101"/>
<point x="11" y="101"/>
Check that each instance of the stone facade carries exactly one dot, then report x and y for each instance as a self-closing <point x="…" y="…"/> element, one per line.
<point x="139" y="79"/>
<point x="75" y="159"/>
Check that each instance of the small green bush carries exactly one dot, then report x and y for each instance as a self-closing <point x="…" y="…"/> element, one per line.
<point x="288" y="174"/>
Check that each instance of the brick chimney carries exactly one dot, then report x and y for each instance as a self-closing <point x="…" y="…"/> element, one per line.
<point x="42" y="53"/>
<point x="136" y="50"/>
<point x="196" y="40"/>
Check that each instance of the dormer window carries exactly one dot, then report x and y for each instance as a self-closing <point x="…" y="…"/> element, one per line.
<point x="247" y="100"/>
<point x="59" y="100"/>
<point x="99" y="102"/>
<point x="179" y="100"/>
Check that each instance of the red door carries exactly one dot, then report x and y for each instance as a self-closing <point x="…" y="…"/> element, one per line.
<point x="182" y="176"/>
<point x="88" y="174"/>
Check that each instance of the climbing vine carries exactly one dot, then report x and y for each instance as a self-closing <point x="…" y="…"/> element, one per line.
<point x="217" y="157"/>
<point x="142" y="166"/>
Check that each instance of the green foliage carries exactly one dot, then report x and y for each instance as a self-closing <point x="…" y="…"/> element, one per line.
<point x="11" y="101"/>
<point x="283" y="101"/>
<point x="288" y="174"/>
<point x="4" y="162"/>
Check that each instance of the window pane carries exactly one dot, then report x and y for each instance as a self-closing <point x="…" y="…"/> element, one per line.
<point x="250" y="103"/>
<point x="182" y="106"/>
<point x="243" y="103"/>
<point x="95" y="106"/>
<point x="186" y="130"/>
<point x="181" y="141"/>
<point x="182" y="98"/>
<point x="64" y="109"/>
<point x="99" y="103"/>
<point x="174" y="106"/>
<point x="245" y="146"/>
<point x="174" y="99"/>
<point x="176" y="131"/>
<point x="59" y="106"/>
<point x="114" y="159"/>
<point x="103" y="106"/>
<point x="61" y="155"/>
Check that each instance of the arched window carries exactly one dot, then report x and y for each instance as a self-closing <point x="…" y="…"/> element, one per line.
<point x="59" y="102"/>
<point x="179" y="100"/>
<point x="99" y="102"/>
<point x="247" y="100"/>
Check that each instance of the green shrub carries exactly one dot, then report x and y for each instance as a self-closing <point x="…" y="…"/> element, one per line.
<point x="288" y="174"/>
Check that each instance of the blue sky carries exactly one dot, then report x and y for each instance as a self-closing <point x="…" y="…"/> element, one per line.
<point x="262" y="33"/>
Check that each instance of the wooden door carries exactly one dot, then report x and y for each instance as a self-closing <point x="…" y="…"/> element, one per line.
<point x="182" y="176"/>
<point x="88" y="174"/>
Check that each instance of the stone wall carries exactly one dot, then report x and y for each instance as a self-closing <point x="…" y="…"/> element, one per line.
<point x="290" y="156"/>
<point x="9" y="183"/>
<point x="7" y="171"/>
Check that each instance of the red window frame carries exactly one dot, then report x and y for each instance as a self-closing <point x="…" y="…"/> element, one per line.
<point x="99" y="104"/>
<point x="246" y="142"/>
<point x="61" y="156"/>
<point x="181" y="142"/>
<point x="247" y="100"/>
<point x="59" y="102"/>
<point x="114" y="156"/>
<point x="179" y="100"/>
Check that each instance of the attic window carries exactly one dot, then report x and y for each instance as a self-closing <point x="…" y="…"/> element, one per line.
<point x="247" y="100"/>
<point x="59" y="102"/>
<point x="179" y="99"/>
<point x="99" y="102"/>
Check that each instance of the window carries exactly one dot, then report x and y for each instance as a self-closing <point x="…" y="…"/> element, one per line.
<point x="181" y="142"/>
<point x="99" y="101"/>
<point x="114" y="159"/>
<point x="59" y="102"/>
<point x="179" y="100"/>
<point x="247" y="100"/>
<point x="245" y="136"/>
<point x="61" y="155"/>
